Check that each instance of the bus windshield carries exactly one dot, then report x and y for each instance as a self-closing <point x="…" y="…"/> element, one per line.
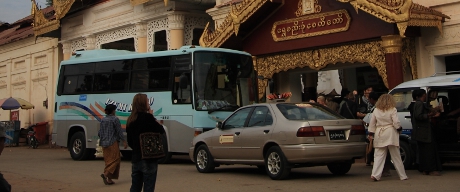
<point x="223" y="81"/>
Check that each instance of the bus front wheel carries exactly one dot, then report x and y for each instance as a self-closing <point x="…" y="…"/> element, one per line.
<point x="77" y="147"/>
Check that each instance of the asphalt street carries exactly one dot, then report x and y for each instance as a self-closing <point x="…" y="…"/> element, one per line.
<point x="51" y="169"/>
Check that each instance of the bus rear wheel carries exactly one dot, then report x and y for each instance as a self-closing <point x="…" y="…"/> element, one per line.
<point x="168" y="154"/>
<point x="77" y="147"/>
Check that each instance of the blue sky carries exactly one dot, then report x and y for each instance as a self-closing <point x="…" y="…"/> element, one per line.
<point x="13" y="10"/>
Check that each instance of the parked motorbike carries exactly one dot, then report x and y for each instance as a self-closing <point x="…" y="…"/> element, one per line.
<point x="31" y="138"/>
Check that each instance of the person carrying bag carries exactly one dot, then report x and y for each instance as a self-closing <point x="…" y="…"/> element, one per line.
<point x="144" y="137"/>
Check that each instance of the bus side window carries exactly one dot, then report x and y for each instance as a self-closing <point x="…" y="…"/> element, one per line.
<point x="182" y="94"/>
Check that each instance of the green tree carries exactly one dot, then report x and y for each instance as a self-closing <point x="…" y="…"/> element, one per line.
<point x="49" y="2"/>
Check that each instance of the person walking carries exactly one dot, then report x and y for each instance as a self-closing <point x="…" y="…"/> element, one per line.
<point x="429" y="162"/>
<point x="383" y="128"/>
<point x="4" y="185"/>
<point x="332" y="104"/>
<point x="348" y="108"/>
<point x="144" y="171"/>
<point x="110" y="134"/>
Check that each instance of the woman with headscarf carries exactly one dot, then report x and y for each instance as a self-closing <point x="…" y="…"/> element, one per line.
<point x="383" y="128"/>
<point x="110" y="134"/>
<point x="144" y="171"/>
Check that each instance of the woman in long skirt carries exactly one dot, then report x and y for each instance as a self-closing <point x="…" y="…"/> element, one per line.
<point x="110" y="134"/>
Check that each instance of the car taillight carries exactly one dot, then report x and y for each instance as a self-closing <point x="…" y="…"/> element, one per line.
<point x="311" y="131"/>
<point x="358" y="130"/>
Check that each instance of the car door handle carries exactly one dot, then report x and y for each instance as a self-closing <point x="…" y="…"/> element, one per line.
<point x="237" y="133"/>
<point x="407" y="117"/>
<point x="266" y="131"/>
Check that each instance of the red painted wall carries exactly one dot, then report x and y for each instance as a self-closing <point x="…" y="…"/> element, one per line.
<point x="362" y="26"/>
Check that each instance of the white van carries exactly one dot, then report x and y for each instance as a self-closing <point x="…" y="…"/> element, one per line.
<point x="447" y="88"/>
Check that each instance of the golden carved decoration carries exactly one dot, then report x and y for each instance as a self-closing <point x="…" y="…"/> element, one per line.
<point x="41" y="24"/>
<point x="392" y="43"/>
<point x="370" y="52"/>
<point x="299" y="29"/>
<point x="317" y="8"/>
<point x="402" y="12"/>
<point x="138" y="2"/>
<point x="408" y="55"/>
<point x="239" y="14"/>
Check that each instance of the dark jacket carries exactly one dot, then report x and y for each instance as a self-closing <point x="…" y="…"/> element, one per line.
<point x="422" y="122"/>
<point x="348" y="109"/>
<point x="145" y="122"/>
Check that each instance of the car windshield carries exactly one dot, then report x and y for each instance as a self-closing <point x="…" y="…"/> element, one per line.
<point x="307" y="111"/>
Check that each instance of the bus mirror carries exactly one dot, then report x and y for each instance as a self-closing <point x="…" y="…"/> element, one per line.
<point x="183" y="81"/>
<point x="219" y="125"/>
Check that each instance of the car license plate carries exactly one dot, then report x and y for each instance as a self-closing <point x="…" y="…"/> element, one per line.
<point x="337" y="135"/>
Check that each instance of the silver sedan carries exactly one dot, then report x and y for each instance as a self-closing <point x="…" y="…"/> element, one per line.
<point x="280" y="136"/>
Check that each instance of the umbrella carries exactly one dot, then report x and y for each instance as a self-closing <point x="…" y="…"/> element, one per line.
<point x="15" y="103"/>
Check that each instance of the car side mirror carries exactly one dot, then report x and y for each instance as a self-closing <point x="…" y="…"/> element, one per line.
<point x="219" y="125"/>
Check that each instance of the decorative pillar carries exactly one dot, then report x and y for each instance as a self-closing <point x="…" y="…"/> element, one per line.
<point x="176" y="30"/>
<point x="90" y="42"/>
<point x="141" y="35"/>
<point x="393" y="60"/>
<point x="66" y="52"/>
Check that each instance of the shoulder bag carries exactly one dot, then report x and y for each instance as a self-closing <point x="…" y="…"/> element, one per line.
<point x="151" y="145"/>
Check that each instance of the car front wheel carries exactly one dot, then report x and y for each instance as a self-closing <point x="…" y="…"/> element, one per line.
<point x="339" y="168"/>
<point x="203" y="160"/>
<point x="276" y="164"/>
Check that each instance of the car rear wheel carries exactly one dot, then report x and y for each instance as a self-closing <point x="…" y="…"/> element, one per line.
<point x="339" y="168"/>
<point x="204" y="161"/>
<point x="276" y="164"/>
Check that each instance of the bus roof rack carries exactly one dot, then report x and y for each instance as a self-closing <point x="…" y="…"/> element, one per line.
<point x="445" y="73"/>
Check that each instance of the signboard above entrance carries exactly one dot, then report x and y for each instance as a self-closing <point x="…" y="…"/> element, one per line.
<point x="311" y="25"/>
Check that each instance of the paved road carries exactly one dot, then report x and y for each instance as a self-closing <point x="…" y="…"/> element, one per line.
<point x="45" y="169"/>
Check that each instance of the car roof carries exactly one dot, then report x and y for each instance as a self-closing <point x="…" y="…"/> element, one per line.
<point x="433" y="81"/>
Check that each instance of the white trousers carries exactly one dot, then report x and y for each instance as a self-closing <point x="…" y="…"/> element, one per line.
<point x="380" y="154"/>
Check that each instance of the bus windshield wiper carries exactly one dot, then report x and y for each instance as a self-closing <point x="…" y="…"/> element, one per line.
<point x="223" y="107"/>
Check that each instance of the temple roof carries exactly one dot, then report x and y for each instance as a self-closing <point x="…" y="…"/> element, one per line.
<point x="403" y="13"/>
<point x="22" y="28"/>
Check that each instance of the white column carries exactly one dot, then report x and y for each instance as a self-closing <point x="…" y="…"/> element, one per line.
<point x="141" y="35"/>
<point x="176" y="29"/>
<point x="66" y="50"/>
<point x="91" y="42"/>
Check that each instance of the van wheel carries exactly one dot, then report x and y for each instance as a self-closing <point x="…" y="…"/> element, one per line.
<point x="339" y="168"/>
<point x="406" y="155"/>
<point x="77" y="147"/>
<point x="276" y="164"/>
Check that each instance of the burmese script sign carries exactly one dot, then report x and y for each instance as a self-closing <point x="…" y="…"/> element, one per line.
<point x="311" y="25"/>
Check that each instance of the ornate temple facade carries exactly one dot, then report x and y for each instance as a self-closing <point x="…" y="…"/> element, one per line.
<point x="297" y="38"/>
<point x="439" y="51"/>
<point x="136" y="25"/>
<point x="28" y="69"/>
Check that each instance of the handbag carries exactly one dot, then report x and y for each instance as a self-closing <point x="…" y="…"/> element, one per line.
<point x="151" y="145"/>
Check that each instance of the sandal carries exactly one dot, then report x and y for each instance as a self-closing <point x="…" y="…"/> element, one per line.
<point x="373" y="178"/>
<point x="104" y="178"/>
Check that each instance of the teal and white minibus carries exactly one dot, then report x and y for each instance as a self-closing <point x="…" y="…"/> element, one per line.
<point x="189" y="89"/>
